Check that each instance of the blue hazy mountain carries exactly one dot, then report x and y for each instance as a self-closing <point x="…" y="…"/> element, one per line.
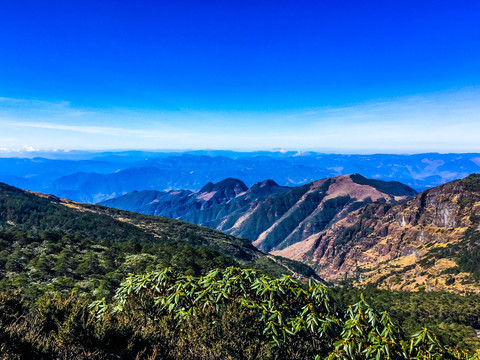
<point x="95" y="177"/>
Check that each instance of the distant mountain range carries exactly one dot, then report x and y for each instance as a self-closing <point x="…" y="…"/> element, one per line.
<point x="95" y="177"/>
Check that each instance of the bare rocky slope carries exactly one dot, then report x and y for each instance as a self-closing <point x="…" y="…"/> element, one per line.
<point x="430" y="242"/>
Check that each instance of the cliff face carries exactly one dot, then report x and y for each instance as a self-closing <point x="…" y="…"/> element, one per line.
<point x="421" y="243"/>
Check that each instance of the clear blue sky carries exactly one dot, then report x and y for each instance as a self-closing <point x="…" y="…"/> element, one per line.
<point x="240" y="74"/>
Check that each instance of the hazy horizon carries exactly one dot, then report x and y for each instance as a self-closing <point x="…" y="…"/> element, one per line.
<point x="58" y="153"/>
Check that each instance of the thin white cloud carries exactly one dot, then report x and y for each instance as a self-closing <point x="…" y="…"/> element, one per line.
<point x="104" y="130"/>
<point x="435" y="122"/>
<point x="32" y="103"/>
<point x="115" y="131"/>
<point x="29" y="148"/>
<point x="6" y="140"/>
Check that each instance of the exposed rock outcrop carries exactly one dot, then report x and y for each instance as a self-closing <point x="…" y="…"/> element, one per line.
<point x="411" y="245"/>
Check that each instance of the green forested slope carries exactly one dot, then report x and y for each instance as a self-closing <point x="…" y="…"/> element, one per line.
<point x="51" y="244"/>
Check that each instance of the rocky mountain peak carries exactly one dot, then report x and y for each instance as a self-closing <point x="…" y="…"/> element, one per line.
<point x="222" y="191"/>
<point x="267" y="183"/>
<point x="393" y="188"/>
<point x="225" y="185"/>
<point x="265" y="187"/>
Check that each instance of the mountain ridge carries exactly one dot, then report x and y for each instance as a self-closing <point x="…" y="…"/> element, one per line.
<point x="270" y="215"/>
<point x="431" y="241"/>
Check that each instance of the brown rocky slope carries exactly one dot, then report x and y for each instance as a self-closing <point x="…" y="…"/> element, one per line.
<point x="431" y="241"/>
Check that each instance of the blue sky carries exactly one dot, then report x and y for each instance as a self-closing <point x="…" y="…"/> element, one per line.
<point x="334" y="76"/>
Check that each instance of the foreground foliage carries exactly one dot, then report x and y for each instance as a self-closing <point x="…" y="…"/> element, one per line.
<point x="226" y="314"/>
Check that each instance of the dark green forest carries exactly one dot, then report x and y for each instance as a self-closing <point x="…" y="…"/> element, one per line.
<point x="233" y="313"/>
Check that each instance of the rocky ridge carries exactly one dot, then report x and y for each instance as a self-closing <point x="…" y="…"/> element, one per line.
<point x="271" y="216"/>
<point x="429" y="242"/>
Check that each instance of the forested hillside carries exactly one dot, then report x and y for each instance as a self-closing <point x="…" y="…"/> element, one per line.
<point x="51" y="244"/>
